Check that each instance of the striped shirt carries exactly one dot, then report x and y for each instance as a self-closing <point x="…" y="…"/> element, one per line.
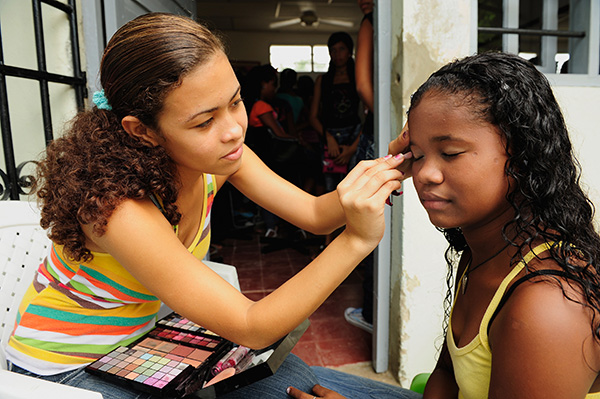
<point x="74" y="313"/>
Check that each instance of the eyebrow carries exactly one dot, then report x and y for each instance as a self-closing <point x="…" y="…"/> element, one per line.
<point x="207" y="111"/>
<point x="441" y="139"/>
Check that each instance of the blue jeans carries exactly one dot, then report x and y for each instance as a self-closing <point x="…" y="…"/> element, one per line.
<point x="366" y="148"/>
<point x="353" y="387"/>
<point x="292" y="371"/>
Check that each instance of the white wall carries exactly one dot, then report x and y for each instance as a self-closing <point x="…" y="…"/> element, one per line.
<point x="580" y="107"/>
<point x="431" y="33"/>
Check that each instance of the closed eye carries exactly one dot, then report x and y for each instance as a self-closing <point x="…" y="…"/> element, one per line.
<point x="205" y="124"/>
<point x="451" y="155"/>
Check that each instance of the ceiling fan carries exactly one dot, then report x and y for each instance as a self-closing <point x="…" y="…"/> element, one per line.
<point x="309" y="18"/>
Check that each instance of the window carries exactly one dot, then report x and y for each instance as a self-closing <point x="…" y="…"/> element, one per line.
<point x="300" y="58"/>
<point x="559" y="36"/>
<point x="39" y="58"/>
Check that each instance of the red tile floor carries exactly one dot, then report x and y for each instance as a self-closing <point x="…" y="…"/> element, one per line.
<point x="330" y="340"/>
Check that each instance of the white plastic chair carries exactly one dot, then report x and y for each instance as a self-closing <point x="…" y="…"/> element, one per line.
<point x="23" y="246"/>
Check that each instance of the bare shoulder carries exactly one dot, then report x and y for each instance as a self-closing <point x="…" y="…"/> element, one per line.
<point x="128" y="217"/>
<point x="546" y="304"/>
<point x="542" y="339"/>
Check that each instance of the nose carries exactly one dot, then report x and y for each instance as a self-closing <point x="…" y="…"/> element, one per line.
<point x="233" y="127"/>
<point x="428" y="172"/>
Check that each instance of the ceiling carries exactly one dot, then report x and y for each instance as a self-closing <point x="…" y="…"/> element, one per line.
<point x="257" y="15"/>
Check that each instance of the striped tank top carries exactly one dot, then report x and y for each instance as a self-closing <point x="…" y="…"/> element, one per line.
<point x="74" y="313"/>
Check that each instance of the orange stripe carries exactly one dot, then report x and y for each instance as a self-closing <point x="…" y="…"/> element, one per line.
<point x="58" y="265"/>
<point x="36" y="322"/>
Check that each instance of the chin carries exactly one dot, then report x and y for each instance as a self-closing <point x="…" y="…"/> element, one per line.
<point x="440" y="223"/>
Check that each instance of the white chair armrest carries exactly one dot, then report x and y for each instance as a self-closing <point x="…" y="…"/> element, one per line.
<point x="228" y="272"/>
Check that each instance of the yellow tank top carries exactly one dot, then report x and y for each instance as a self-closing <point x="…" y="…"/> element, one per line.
<point x="73" y="313"/>
<point x="473" y="362"/>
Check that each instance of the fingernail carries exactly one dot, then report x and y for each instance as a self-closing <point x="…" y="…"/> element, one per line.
<point x="408" y="155"/>
<point x="397" y="193"/>
<point x="388" y="156"/>
<point x="404" y="134"/>
<point x="389" y="201"/>
<point x="288" y="390"/>
<point x="399" y="156"/>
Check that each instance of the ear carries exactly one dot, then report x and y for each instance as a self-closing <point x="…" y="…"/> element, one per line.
<point x="135" y="128"/>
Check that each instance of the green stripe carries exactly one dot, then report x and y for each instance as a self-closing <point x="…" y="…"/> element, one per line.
<point x="81" y="287"/>
<point x="50" y="269"/>
<point x="64" y="347"/>
<point x="127" y="291"/>
<point x="84" y="319"/>
<point x="60" y="347"/>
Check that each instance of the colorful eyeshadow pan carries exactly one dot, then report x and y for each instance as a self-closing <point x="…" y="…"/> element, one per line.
<point x="193" y="339"/>
<point x="162" y="359"/>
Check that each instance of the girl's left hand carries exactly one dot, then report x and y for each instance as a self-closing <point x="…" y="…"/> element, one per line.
<point x="318" y="391"/>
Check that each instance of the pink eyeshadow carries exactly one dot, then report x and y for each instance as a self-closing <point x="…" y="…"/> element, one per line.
<point x="150" y="381"/>
<point x="160" y="384"/>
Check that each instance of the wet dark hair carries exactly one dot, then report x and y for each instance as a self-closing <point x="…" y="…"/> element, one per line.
<point x="89" y="171"/>
<point x="511" y="94"/>
<point x="252" y="83"/>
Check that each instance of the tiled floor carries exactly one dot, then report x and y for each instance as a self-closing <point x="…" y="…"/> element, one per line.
<point x="330" y="340"/>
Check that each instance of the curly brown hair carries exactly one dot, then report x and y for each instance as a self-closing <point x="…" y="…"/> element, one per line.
<point x="85" y="174"/>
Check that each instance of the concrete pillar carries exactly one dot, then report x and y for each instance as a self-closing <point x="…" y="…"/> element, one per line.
<point x="426" y="35"/>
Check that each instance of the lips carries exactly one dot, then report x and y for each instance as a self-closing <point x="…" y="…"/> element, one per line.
<point x="432" y="201"/>
<point x="235" y="153"/>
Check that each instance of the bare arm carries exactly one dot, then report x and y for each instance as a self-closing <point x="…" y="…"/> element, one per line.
<point x="364" y="64"/>
<point x="319" y="215"/>
<point x="441" y="384"/>
<point x="269" y="121"/>
<point x="542" y="345"/>
<point x="141" y="239"/>
<point x="315" y="107"/>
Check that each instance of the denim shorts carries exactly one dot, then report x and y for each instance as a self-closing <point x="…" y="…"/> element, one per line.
<point x="292" y="371"/>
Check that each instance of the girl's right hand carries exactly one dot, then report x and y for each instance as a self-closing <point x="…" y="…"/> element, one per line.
<point x="363" y="193"/>
<point x="333" y="147"/>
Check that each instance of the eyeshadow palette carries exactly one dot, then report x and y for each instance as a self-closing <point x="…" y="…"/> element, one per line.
<point x="179" y="358"/>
